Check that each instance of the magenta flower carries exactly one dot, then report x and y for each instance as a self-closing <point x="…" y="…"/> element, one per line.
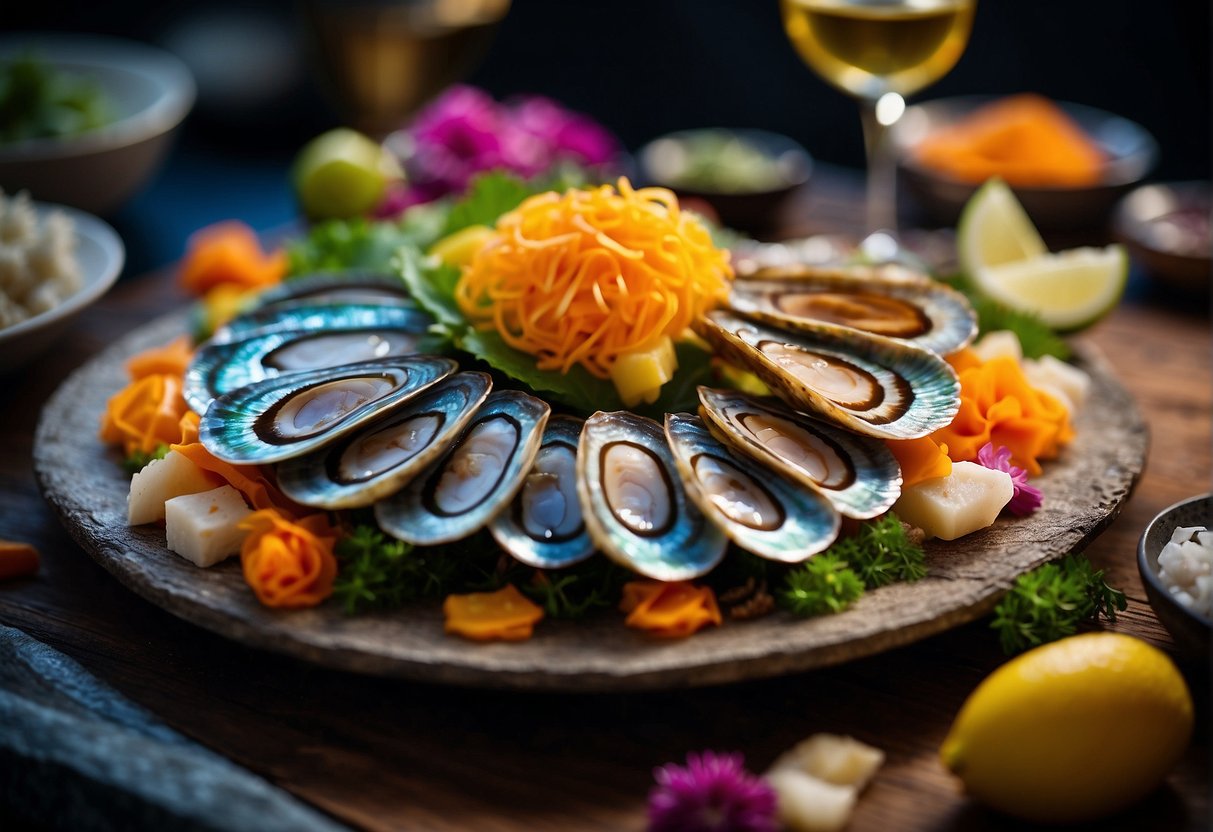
<point x="1027" y="498"/>
<point x="713" y="793"/>
<point x="465" y="132"/>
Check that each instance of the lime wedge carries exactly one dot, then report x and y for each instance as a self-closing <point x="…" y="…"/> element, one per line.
<point x="994" y="230"/>
<point x="1068" y="290"/>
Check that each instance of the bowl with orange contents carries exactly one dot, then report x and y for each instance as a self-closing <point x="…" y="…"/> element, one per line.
<point x="1067" y="163"/>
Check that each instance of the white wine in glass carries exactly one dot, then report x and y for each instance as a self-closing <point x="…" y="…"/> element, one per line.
<point x="879" y="50"/>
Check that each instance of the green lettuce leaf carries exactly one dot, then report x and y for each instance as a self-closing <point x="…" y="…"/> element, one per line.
<point x="432" y="284"/>
<point x="489" y="196"/>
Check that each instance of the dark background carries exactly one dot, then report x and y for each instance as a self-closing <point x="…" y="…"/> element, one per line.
<point x="642" y="67"/>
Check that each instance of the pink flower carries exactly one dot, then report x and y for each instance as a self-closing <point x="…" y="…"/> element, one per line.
<point x="565" y="134"/>
<point x="713" y="793"/>
<point x="1027" y="498"/>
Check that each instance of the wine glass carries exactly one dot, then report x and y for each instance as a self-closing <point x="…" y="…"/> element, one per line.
<point x="382" y="59"/>
<point x="879" y="51"/>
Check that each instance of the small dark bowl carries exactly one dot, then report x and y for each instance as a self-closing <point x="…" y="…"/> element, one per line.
<point x="1132" y="154"/>
<point x="756" y="210"/>
<point x="1190" y="630"/>
<point x="1180" y="266"/>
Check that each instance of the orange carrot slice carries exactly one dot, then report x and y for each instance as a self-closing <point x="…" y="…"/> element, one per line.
<point x="504" y="615"/>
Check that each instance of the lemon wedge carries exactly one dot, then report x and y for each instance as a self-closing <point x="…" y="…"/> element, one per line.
<point x="1069" y="290"/>
<point x="994" y="229"/>
<point x="1073" y="730"/>
<point x="1004" y="256"/>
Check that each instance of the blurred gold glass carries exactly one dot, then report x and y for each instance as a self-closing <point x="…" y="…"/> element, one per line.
<point x="382" y="59"/>
<point x="879" y="51"/>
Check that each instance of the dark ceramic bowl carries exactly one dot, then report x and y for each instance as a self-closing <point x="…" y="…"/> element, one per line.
<point x="746" y="210"/>
<point x="149" y="92"/>
<point x="1175" y="255"/>
<point x="1132" y="154"/>
<point x="1190" y="630"/>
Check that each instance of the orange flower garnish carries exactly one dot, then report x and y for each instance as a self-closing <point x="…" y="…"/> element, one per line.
<point x="229" y="253"/>
<point x="670" y="609"/>
<point x="505" y="615"/>
<point x="144" y="414"/>
<point x="173" y="359"/>
<point x="998" y="405"/>
<point x="587" y="276"/>
<point x="920" y="459"/>
<point x="288" y="564"/>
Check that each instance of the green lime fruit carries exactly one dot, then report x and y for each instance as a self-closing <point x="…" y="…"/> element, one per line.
<point x="342" y="174"/>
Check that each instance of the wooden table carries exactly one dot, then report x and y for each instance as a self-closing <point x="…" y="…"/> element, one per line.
<point x="380" y="754"/>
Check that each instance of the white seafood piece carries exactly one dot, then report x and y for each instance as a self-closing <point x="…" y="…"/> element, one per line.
<point x="636" y="508"/>
<point x="476" y="478"/>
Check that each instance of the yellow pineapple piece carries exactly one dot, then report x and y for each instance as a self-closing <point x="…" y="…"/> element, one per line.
<point x="459" y="248"/>
<point x="638" y="375"/>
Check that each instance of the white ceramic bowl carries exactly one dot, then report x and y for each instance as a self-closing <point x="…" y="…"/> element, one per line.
<point x="97" y="171"/>
<point x="100" y="252"/>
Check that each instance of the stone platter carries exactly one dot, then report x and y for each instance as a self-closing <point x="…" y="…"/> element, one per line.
<point x="83" y="480"/>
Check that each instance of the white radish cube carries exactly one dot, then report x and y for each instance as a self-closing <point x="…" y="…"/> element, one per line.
<point x="161" y="480"/>
<point x="202" y="527"/>
<point x="843" y="761"/>
<point x="949" y="507"/>
<point x="1061" y="380"/>
<point x="998" y="344"/>
<point x="1183" y="534"/>
<point x="807" y="804"/>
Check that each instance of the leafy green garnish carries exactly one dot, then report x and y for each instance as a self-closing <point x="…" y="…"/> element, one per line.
<point x="349" y="245"/>
<point x="1035" y="336"/>
<point x="881" y="553"/>
<point x="39" y="101"/>
<point x="576" y="590"/>
<point x="1049" y="602"/>
<point x="822" y="586"/>
<point x="379" y="572"/>
<point x="138" y="460"/>
<point x="432" y="284"/>
<point x="488" y="197"/>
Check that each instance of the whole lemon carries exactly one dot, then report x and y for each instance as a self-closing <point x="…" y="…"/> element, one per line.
<point x="1073" y="730"/>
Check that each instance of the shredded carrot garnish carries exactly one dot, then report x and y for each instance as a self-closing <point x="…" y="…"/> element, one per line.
<point x="229" y="253"/>
<point x="505" y="615"/>
<point x="920" y="459"/>
<point x="17" y="560"/>
<point x="588" y="276"/>
<point x="672" y="610"/>
<point x="288" y="564"/>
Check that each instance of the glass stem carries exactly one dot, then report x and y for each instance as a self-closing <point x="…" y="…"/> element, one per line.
<point x="882" y="171"/>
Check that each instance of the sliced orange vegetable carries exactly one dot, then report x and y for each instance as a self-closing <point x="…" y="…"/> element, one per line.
<point x="250" y="480"/>
<point x="505" y="615"/>
<point x="144" y="414"/>
<point x="229" y="253"/>
<point x="17" y="560"/>
<point x="173" y="359"/>
<point x="997" y="404"/>
<point x="671" y="609"/>
<point x="288" y="563"/>
<point x="1025" y="139"/>
<point x="189" y="428"/>
<point x="963" y="359"/>
<point x="920" y="459"/>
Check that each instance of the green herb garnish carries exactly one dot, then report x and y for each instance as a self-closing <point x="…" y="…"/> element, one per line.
<point x="138" y="460"/>
<point x="1049" y="602"/>
<point x="576" y="590"/>
<point x="488" y="197"/>
<point x="822" y="586"/>
<point x="351" y="245"/>
<point x="376" y="571"/>
<point x="881" y="553"/>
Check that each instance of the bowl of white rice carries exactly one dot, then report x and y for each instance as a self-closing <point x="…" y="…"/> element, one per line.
<point x="1175" y="558"/>
<point x="54" y="262"/>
